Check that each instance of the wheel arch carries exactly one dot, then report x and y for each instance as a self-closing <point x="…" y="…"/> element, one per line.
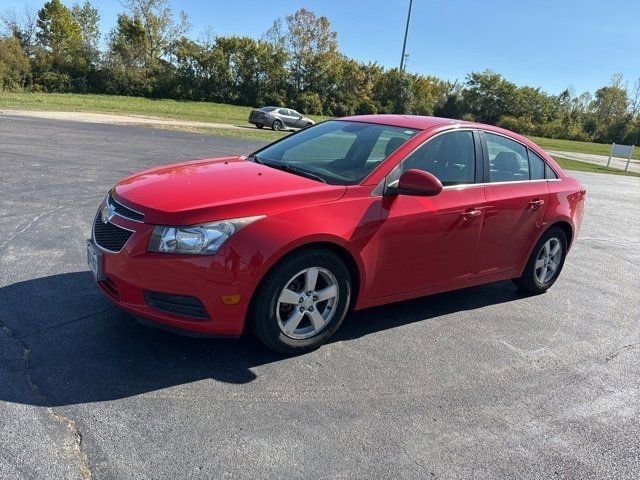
<point x="352" y="264"/>
<point x="566" y="227"/>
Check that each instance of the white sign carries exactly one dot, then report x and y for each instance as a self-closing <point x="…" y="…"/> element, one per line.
<point x="623" y="151"/>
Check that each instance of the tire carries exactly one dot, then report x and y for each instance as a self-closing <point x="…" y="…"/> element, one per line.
<point x="276" y="125"/>
<point x="308" y="125"/>
<point x="260" y="126"/>
<point x="537" y="277"/>
<point x="282" y="296"/>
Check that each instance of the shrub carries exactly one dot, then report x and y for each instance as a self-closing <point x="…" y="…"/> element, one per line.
<point x="309" y="103"/>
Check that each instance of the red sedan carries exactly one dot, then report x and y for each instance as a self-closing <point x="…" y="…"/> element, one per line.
<point x="347" y="214"/>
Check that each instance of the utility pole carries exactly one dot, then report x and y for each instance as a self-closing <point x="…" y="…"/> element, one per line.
<point x="404" y="44"/>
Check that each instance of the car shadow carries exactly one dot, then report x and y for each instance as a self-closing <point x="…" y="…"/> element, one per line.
<point x="77" y="347"/>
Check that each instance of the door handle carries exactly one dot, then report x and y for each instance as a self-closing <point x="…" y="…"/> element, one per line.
<point x="535" y="204"/>
<point x="471" y="214"/>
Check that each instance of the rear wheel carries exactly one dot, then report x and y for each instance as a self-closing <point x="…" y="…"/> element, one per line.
<point x="301" y="302"/>
<point x="260" y="126"/>
<point x="545" y="263"/>
<point x="276" y="125"/>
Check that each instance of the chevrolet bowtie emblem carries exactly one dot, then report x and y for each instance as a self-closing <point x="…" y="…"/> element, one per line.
<point x="106" y="212"/>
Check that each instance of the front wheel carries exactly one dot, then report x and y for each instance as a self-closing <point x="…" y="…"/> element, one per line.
<point x="277" y="125"/>
<point x="545" y="263"/>
<point x="301" y="302"/>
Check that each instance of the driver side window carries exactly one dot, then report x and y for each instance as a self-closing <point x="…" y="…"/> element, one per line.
<point x="450" y="157"/>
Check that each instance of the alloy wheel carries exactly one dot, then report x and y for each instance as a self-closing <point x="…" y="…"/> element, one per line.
<point x="548" y="260"/>
<point x="307" y="303"/>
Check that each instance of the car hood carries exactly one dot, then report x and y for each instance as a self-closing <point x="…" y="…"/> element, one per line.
<point x="216" y="189"/>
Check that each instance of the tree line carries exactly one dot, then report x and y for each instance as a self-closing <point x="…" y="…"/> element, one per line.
<point x="297" y="63"/>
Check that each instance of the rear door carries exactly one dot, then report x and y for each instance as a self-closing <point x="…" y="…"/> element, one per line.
<point x="516" y="200"/>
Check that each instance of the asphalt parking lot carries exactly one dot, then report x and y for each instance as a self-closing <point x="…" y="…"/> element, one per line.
<point x="480" y="383"/>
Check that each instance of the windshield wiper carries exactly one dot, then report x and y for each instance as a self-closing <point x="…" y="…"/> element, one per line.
<point x="287" y="168"/>
<point x="254" y="158"/>
<point x="298" y="171"/>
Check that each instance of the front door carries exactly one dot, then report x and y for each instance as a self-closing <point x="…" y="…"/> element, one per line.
<point x="297" y="119"/>
<point x="283" y="115"/>
<point x="517" y="198"/>
<point x="430" y="241"/>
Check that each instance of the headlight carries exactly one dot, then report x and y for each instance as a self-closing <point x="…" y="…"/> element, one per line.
<point x="196" y="239"/>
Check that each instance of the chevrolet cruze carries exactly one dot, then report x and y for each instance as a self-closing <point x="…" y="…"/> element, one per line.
<point x="347" y="214"/>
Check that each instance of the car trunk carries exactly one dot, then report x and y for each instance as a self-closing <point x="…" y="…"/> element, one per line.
<point x="257" y="116"/>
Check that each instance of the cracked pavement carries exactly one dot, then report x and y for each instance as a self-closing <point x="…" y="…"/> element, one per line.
<point x="482" y="383"/>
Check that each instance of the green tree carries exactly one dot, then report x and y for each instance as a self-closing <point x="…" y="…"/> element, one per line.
<point x="88" y="18"/>
<point x="312" y="51"/>
<point x="161" y="29"/>
<point x="255" y="69"/>
<point x="126" y="71"/>
<point x="139" y="59"/>
<point x="14" y="64"/>
<point x="428" y="92"/>
<point x="128" y="42"/>
<point x="58" y="32"/>
<point x="59" y="59"/>
<point x="489" y="96"/>
<point x="611" y="111"/>
<point x="393" y="93"/>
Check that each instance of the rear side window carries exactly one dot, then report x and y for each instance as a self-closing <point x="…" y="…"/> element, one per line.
<point x="539" y="167"/>
<point x="536" y="166"/>
<point x="450" y="157"/>
<point x="508" y="159"/>
<point x="283" y="111"/>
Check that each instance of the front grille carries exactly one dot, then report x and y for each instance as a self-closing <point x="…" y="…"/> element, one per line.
<point x="124" y="211"/>
<point x="109" y="236"/>
<point x="176" y="304"/>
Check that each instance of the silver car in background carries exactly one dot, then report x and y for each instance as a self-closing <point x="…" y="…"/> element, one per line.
<point x="278" y="118"/>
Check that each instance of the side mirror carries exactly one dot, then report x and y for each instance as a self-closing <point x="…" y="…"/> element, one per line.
<point x="299" y="116"/>
<point x="417" y="183"/>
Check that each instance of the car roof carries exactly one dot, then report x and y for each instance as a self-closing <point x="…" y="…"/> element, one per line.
<point x="406" y="121"/>
<point x="420" y="122"/>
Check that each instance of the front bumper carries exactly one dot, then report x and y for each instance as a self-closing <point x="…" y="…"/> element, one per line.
<point x="219" y="283"/>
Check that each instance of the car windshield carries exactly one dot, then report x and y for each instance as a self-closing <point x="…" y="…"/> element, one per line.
<point x="336" y="152"/>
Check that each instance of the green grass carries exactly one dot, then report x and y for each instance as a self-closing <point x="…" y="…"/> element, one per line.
<point x="171" y="109"/>
<point x="579" y="147"/>
<point x="576" y="165"/>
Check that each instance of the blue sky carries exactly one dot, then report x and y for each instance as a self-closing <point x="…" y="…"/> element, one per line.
<point x="541" y="43"/>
